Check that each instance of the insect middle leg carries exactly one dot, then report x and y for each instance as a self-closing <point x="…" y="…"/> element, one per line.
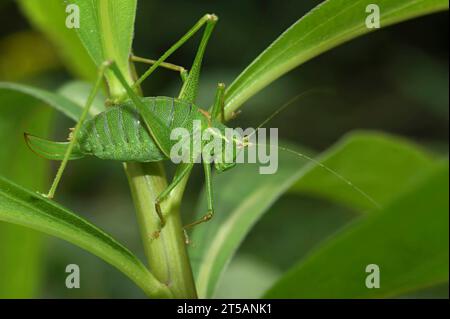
<point x="183" y="72"/>
<point x="209" y="196"/>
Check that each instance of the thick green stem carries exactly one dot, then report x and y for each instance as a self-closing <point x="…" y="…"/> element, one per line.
<point x="166" y="254"/>
<point x="166" y="251"/>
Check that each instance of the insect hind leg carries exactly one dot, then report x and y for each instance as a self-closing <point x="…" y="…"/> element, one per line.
<point x="207" y="19"/>
<point x="101" y="71"/>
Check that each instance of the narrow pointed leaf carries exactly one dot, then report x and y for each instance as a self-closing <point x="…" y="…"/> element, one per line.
<point x="328" y="25"/>
<point x="78" y="92"/>
<point x="69" y="106"/>
<point x="106" y="30"/>
<point x="379" y="164"/>
<point x="22" y="258"/>
<point x="407" y="240"/>
<point x="22" y="207"/>
<point x="245" y="195"/>
<point x="54" y="100"/>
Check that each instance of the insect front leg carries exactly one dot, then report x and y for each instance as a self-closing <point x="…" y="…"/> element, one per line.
<point x="73" y="140"/>
<point x="209" y="196"/>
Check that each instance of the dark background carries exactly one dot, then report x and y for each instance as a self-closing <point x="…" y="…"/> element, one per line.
<point x="394" y="80"/>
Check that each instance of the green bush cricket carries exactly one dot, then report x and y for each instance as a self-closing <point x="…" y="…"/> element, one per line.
<point x="138" y="128"/>
<point x="129" y="140"/>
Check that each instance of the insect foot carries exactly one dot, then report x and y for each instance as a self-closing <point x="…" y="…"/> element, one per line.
<point x="70" y="137"/>
<point x="207" y="216"/>
<point x="156" y="234"/>
<point x="187" y="240"/>
<point x="159" y="213"/>
<point x="211" y="17"/>
<point x="48" y="196"/>
<point x="235" y="114"/>
<point x="204" y="219"/>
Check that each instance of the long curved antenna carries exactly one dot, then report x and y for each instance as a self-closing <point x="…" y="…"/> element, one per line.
<point x="318" y="163"/>
<point x="246" y="143"/>
<point x="289" y="103"/>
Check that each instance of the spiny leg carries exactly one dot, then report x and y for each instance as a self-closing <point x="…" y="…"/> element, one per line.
<point x="208" y="18"/>
<point x="181" y="172"/>
<point x="209" y="197"/>
<point x="217" y="110"/>
<point x="189" y="90"/>
<point x="98" y="82"/>
<point x="183" y="72"/>
<point x="188" y="93"/>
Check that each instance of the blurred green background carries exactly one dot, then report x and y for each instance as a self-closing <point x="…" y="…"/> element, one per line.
<point x="394" y="80"/>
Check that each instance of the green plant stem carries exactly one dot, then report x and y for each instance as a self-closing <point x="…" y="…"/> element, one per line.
<point x="167" y="255"/>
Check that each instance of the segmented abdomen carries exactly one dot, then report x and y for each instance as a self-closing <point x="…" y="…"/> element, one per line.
<point x="119" y="133"/>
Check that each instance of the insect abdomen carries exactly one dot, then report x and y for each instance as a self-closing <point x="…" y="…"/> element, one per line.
<point x="118" y="134"/>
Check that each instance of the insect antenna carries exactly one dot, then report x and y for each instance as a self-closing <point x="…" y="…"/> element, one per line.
<point x="247" y="143"/>
<point x="289" y="103"/>
<point x="328" y="169"/>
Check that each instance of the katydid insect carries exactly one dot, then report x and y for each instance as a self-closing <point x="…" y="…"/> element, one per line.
<point x="138" y="128"/>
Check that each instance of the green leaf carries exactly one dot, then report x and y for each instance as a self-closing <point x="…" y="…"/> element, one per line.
<point x="78" y="92"/>
<point x="328" y="25"/>
<point x="106" y="30"/>
<point x="258" y="277"/>
<point x="245" y="195"/>
<point x="380" y="164"/>
<point x="408" y="240"/>
<point x="49" y="16"/>
<point x="21" y="249"/>
<point x="22" y="207"/>
<point x="57" y="101"/>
